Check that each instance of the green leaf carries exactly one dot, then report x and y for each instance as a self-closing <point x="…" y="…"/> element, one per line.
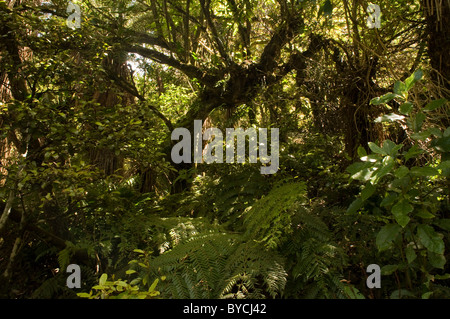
<point x="387" y="235"/>
<point x="388" y="200"/>
<point x="420" y="136"/>
<point x="443" y="223"/>
<point x="355" y="205"/>
<point x="430" y="239"/>
<point x="433" y="105"/>
<point x="388" y="269"/>
<point x="361" y="151"/>
<point x="413" y="78"/>
<point x="367" y="191"/>
<point x="130" y="271"/>
<point x="413" y="151"/>
<point x="418" y="121"/>
<point x="427" y="295"/>
<point x="391" y="148"/>
<point x="442" y="144"/>
<point x="436" y="260"/>
<point x="383" y="99"/>
<point x="410" y="254"/>
<point x="424" y="213"/>
<point x="402" y="171"/>
<point x="103" y="278"/>
<point x="424" y="171"/>
<point x="355" y="167"/>
<point x="153" y="286"/>
<point x="400" y="88"/>
<point x="406" y="108"/>
<point x="140" y="251"/>
<point x="399" y="293"/>
<point x="376" y="149"/>
<point x="401" y="211"/>
<point x="387" y="166"/>
<point x="352" y="292"/>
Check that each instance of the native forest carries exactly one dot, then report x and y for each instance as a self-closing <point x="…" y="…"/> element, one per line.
<point x="349" y="99"/>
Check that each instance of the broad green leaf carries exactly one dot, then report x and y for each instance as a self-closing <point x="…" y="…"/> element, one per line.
<point x="427" y="295"/>
<point x="406" y="108"/>
<point x="410" y="254"/>
<point x="361" y="151"/>
<point x="361" y="171"/>
<point x="435" y="131"/>
<point x="402" y="171"/>
<point x="387" y="235"/>
<point x="424" y="171"/>
<point x="413" y="151"/>
<point x="433" y="105"/>
<point x="355" y="205"/>
<point x="443" y="223"/>
<point x="388" y="269"/>
<point x="413" y="78"/>
<point x="418" y="121"/>
<point x="389" y="200"/>
<point x="355" y="167"/>
<point x="103" y="278"/>
<point x="436" y="260"/>
<point x="425" y="214"/>
<point x="391" y="148"/>
<point x="442" y="144"/>
<point x="420" y="136"/>
<point x="376" y="149"/>
<point x="386" y="167"/>
<point x="401" y="211"/>
<point x="367" y="191"/>
<point x="430" y="239"/>
<point x="400" y="88"/>
<point x="153" y="286"/>
<point x="383" y="99"/>
<point x="400" y="293"/>
<point x="442" y="277"/>
<point x="140" y="251"/>
<point x="130" y="271"/>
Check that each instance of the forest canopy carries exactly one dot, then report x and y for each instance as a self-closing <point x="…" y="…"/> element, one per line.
<point x="354" y="100"/>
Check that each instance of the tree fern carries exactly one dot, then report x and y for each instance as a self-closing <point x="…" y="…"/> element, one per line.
<point x="270" y="218"/>
<point x="316" y="262"/>
<point x="220" y="265"/>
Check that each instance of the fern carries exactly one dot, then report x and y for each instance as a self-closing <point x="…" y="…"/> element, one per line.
<point x="316" y="262"/>
<point x="218" y="266"/>
<point x="55" y="287"/>
<point x="269" y="220"/>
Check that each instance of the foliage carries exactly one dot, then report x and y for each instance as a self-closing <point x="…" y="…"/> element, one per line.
<point x="122" y="289"/>
<point x="86" y="174"/>
<point x="410" y="199"/>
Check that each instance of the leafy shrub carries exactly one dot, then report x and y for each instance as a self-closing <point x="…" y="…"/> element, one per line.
<point x="410" y="199"/>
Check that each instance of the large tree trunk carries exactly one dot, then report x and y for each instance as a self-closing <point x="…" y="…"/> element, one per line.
<point x="437" y="17"/>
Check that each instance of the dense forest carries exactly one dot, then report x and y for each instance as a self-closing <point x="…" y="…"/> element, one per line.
<point x="353" y="98"/>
